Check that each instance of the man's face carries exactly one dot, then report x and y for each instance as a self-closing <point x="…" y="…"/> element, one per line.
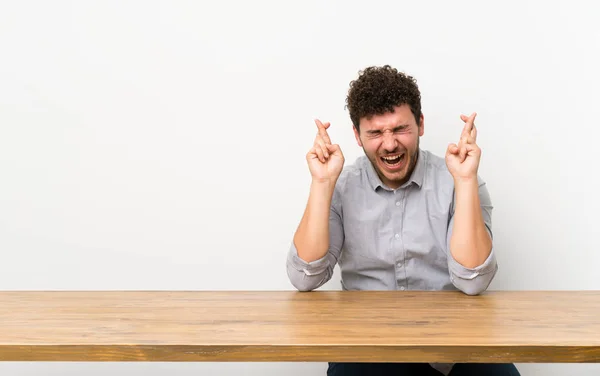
<point x="391" y="142"/>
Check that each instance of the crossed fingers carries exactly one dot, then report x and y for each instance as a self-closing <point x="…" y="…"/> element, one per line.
<point x="468" y="135"/>
<point x="469" y="132"/>
<point x="322" y="141"/>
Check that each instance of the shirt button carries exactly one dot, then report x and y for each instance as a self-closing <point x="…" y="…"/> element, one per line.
<point x="397" y="236"/>
<point x="397" y="203"/>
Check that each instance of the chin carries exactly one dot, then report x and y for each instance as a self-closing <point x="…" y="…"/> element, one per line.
<point x="394" y="180"/>
<point x="397" y="179"/>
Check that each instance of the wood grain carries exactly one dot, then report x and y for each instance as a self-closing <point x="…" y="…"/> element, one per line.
<point x="359" y="326"/>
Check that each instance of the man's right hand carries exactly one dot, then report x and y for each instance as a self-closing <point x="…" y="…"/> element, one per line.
<point x="325" y="160"/>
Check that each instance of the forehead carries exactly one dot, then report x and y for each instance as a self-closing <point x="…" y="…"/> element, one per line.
<point x="401" y="116"/>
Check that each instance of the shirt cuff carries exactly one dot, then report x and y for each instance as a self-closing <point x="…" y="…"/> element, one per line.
<point x="309" y="268"/>
<point x="460" y="271"/>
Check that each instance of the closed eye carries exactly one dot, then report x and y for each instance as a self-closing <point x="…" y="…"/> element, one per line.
<point x="398" y="129"/>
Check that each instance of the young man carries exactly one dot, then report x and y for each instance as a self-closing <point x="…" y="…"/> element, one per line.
<point x="400" y="217"/>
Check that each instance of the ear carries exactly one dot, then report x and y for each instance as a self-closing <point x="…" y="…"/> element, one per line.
<point x="422" y="126"/>
<point x="357" y="136"/>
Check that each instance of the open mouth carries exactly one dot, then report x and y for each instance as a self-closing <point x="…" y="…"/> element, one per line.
<point x="394" y="160"/>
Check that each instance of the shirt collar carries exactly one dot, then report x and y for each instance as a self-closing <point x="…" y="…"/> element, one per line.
<point x="417" y="176"/>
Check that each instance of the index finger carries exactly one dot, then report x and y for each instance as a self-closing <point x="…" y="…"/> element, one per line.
<point x="323" y="131"/>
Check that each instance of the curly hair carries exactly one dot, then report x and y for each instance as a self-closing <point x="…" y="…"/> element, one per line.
<point x="378" y="90"/>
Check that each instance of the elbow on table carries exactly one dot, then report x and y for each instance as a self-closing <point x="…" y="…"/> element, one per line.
<point x="472" y="290"/>
<point x="473" y="280"/>
<point x="476" y="285"/>
<point x="306" y="283"/>
<point x="303" y="287"/>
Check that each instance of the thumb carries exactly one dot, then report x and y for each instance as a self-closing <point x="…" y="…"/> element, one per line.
<point x="472" y="149"/>
<point x="334" y="149"/>
<point x="452" y="149"/>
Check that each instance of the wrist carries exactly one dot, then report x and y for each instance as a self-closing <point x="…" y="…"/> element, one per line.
<point x="323" y="181"/>
<point x="466" y="183"/>
<point x="465" y="180"/>
<point x="320" y="184"/>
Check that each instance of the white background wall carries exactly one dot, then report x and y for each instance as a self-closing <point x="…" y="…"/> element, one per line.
<point x="160" y="145"/>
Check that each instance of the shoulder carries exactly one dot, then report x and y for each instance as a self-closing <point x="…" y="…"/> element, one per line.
<point x="354" y="175"/>
<point x="437" y="175"/>
<point x="435" y="161"/>
<point x="438" y="178"/>
<point x="352" y="179"/>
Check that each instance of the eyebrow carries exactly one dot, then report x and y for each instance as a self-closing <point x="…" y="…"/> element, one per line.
<point x="398" y="127"/>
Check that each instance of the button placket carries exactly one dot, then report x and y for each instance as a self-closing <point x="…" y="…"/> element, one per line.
<point x="399" y="248"/>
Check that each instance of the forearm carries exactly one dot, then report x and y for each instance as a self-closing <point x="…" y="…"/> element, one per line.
<point x="312" y="236"/>
<point x="470" y="243"/>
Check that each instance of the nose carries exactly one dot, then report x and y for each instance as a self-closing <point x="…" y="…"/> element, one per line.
<point x="389" y="142"/>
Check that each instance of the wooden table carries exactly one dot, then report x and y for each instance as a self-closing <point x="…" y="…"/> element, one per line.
<point x="299" y="326"/>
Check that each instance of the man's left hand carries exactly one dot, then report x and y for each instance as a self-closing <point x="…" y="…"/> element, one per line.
<point x="463" y="159"/>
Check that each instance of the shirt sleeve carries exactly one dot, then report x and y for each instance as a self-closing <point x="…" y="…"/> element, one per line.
<point x="473" y="281"/>
<point x="307" y="276"/>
